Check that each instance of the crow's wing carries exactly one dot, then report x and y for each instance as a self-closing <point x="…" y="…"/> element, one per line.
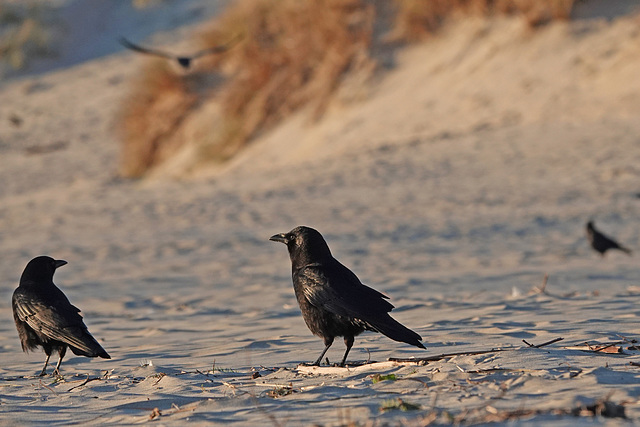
<point x="333" y="287"/>
<point x="56" y="319"/>
<point x="336" y="289"/>
<point x="126" y="43"/>
<point x="218" y="49"/>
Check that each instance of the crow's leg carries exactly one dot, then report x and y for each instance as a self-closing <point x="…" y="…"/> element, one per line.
<point x="62" y="352"/>
<point x="46" y="362"/>
<point x="327" y="342"/>
<point x="348" y="341"/>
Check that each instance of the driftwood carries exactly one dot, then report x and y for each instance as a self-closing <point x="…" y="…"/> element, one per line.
<point x="544" y="343"/>
<point x="470" y="353"/>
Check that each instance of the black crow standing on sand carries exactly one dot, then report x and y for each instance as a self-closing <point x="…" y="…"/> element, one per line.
<point x="332" y="299"/>
<point x="182" y="60"/>
<point x="602" y="243"/>
<point x="45" y="317"/>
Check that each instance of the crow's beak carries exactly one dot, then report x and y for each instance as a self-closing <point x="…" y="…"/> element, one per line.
<point x="279" y="238"/>
<point x="60" y="263"/>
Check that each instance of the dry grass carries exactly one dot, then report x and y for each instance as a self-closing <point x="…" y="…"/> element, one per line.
<point x="418" y="19"/>
<point x="27" y="30"/>
<point x="290" y="54"/>
<point x="294" y="52"/>
<point x="158" y="104"/>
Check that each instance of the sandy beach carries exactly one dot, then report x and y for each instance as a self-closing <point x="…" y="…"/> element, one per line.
<point x="464" y="175"/>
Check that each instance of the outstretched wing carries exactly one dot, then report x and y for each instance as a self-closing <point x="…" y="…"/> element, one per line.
<point x="126" y="43"/>
<point x="56" y="320"/>
<point x="217" y="49"/>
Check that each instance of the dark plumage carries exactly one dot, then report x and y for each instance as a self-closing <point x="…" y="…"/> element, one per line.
<point x="332" y="299"/>
<point x="602" y="243"/>
<point x="183" y="61"/>
<point x="45" y="317"/>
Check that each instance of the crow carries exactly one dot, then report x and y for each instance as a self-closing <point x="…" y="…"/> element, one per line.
<point x="332" y="299"/>
<point x="602" y="243"/>
<point x="45" y="317"/>
<point x="182" y="60"/>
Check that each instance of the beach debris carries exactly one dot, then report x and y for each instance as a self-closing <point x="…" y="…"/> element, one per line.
<point x="631" y="341"/>
<point x="280" y="390"/>
<point x="89" y="379"/>
<point x="398" y="404"/>
<point x="155" y="413"/>
<point x="608" y="348"/>
<point x="542" y="289"/>
<point x="332" y="370"/>
<point x="601" y="408"/>
<point x="376" y="378"/>
<point x="441" y="356"/>
<point x="159" y="377"/>
<point x="543" y="344"/>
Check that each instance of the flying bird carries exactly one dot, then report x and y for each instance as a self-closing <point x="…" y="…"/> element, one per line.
<point x="44" y="316"/>
<point x="333" y="301"/>
<point x="602" y="243"/>
<point x="184" y="61"/>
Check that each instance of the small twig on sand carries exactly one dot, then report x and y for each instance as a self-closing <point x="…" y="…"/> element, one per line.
<point x="610" y="348"/>
<point x="161" y="375"/>
<point x="544" y="343"/>
<point x="47" y="387"/>
<point x="155" y="413"/>
<point x="542" y="289"/>
<point x="85" y="382"/>
<point x="631" y="341"/>
<point x="606" y="346"/>
<point x="446" y="355"/>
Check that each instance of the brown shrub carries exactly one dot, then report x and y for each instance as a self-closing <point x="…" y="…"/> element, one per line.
<point x="417" y="19"/>
<point x="291" y="53"/>
<point x="160" y="100"/>
<point x="287" y="54"/>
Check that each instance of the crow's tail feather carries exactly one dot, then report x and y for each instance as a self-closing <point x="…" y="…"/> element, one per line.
<point x="397" y="331"/>
<point x="625" y="250"/>
<point x="88" y="346"/>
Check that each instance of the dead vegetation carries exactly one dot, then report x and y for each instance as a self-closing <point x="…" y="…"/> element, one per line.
<point x="290" y="54"/>
<point x="418" y="19"/>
